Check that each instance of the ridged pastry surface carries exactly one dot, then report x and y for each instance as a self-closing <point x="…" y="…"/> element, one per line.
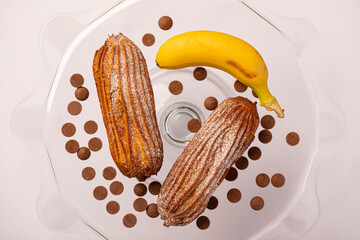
<point x="128" y="109"/>
<point x="203" y="164"/>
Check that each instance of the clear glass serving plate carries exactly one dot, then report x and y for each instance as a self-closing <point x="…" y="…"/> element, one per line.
<point x="288" y="46"/>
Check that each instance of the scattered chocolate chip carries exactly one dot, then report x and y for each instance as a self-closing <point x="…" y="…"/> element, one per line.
<point x="112" y="207"/>
<point x="129" y="220"/>
<point x="165" y="22"/>
<point x="210" y="103"/>
<point x="148" y="39"/>
<point x="278" y="180"/>
<point x="268" y="122"/>
<point x="88" y="173"/>
<point x="82" y="93"/>
<point x="200" y="73"/>
<point x="154" y="188"/>
<point x="234" y="195"/>
<point x="213" y="203"/>
<point x="232" y="174"/>
<point x="83" y="153"/>
<point x="74" y="108"/>
<point x="254" y="153"/>
<point x="175" y="87"/>
<point x="140" y="204"/>
<point x="202" y="222"/>
<point x="239" y="86"/>
<point x="90" y="127"/>
<point x="262" y="180"/>
<point x="152" y="211"/>
<point x="116" y="188"/>
<point x="109" y="173"/>
<point x="292" y="138"/>
<point x="95" y="144"/>
<point x="242" y="163"/>
<point x="194" y="125"/>
<point x="72" y="146"/>
<point x="254" y="94"/>
<point x="68" y="129"/>
<point x="100" y="193"/>
<point x="265" y="136"/>
<point x="140" y="189"/>
<point x="257" y="203"/>
<point x="77" y="80"/>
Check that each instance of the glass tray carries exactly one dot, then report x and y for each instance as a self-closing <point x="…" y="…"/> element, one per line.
<point x="288" y="46"/>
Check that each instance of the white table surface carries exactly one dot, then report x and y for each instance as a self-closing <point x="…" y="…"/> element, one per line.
<point x="21" y="67"/>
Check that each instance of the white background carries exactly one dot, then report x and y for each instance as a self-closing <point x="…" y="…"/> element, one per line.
<point x="21" y="68"/>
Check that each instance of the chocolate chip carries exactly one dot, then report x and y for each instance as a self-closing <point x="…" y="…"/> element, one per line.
<point x="83" y="153"/>
<point x="109" y="173"/>
<point x="140" y="204"/>
<point x="176" y="87"/>
<point x="232" y="174"/>
<point x="100" y="193"/>
<point x="74" y="108"/>
<point x="239" y="86"/>
<point x="95" y="144"/>
<point x="68" y="129"/>
<point x="148" y="39"/>
<point x="82" y="93"/>
<point x="267" y="121"/>
<point x="140" y="189"/>
<point x="112" y="207"/>
<point x="200" y="73"/>
<point x="242" y="163"/>
<point x="254" y="153"/>
<point x="152" y="211"/>
<point x="213" y="203"/>
<point x="88" y="173"/>
<point x="210" y="103"/>
<point x="265" y="136"/>
<point x="90" y="127"/>
<point x="254" y="94"/>
<point x="202" y="222"/>
<point x="72" y="146"/>
<point x="234" y="195"/>
<point x="77" y="80"/>
<point x="165" y="22"/>
<point x="278" y="180"/>
<point x="262" y="180"/>
<point x="257" y="203"/>
<point x="194" y="125"/>
<point x="154" y="188"/>
<point x="292" y="138"/>
<point x="116" y="188"/>
<point x="129" y="220"/>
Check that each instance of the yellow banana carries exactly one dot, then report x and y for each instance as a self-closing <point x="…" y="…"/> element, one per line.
<point x="222" y="51"/>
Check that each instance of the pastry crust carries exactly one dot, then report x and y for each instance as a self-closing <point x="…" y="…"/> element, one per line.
<point x="205" y="161"/>
<point x="128" y="109"/>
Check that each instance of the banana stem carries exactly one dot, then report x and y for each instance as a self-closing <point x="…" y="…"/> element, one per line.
<point x="273" y="105"/>
<point x="267" y="100"/>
